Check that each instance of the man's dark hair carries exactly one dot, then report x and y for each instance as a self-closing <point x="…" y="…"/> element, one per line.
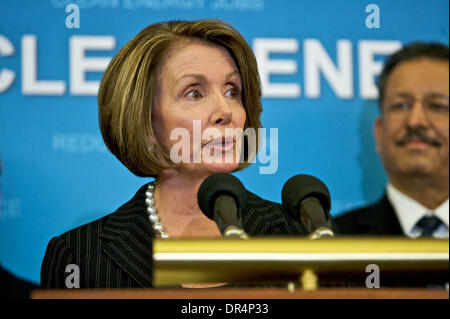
<point x="412" y="51"/>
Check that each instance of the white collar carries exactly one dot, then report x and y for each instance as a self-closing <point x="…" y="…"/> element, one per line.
<point x="409" y="212"/>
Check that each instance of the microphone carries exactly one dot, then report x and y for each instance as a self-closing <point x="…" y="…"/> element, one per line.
<point x="306" y="198"/>
<point x="222" y="197"/>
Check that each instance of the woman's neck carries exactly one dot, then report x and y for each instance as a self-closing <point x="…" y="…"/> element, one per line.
<point x="176" y="192"/>
<point x="178" y="209"/>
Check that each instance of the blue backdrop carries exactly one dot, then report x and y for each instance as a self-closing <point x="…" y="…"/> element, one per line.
<point x="57" y="173"/>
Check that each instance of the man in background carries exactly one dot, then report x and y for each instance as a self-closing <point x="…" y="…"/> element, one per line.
<point x="412" y="137"/>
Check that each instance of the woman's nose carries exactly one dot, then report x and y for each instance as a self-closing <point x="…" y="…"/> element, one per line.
<point x="223" y="113"/>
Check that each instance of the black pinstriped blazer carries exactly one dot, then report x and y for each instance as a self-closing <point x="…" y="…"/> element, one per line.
<point x="115" y="251"/>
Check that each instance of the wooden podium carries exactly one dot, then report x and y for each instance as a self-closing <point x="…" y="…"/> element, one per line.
<point x="301" y="265"/>
<point x="236" y="293"/>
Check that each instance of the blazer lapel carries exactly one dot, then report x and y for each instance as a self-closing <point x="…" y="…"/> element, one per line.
<point x="386" y="221"/>
<point x="130" y="239"/>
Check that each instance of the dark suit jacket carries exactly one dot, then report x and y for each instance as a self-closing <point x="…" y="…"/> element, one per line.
<point x="116" y="250"/>
<point x="14" y="287"/>
<point x="378" y="219"/>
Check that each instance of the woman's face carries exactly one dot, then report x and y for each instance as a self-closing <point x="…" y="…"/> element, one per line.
<point x="199" y="115"/>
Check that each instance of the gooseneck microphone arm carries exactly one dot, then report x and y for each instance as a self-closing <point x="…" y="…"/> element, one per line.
<point x="313" y="217"/>
<point x="307" y="199"/>
<point x="221" y="197"/>
<point x="226" y="215"/>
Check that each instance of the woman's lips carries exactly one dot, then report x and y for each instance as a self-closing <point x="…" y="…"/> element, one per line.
<point x="222" y="144"/>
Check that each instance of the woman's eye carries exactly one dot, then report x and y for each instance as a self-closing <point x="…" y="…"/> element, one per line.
<point x="233" y="92"/>
<point x="193" y="94"/>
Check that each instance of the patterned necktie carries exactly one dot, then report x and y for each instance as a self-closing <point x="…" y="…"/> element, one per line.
<point x="428" y="224"/>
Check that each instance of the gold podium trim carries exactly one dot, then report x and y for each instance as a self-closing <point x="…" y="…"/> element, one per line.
<point x="307" y="257"/>
<point x="179" y="261"/>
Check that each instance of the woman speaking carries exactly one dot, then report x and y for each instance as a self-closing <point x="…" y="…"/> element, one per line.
<point x="172" y="76"/>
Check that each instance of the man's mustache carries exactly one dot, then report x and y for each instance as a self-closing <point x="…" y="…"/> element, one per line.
<point x="417" y="135"/>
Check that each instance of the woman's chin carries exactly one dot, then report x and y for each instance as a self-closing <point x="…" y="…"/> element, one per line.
<point x="221" y="167"/>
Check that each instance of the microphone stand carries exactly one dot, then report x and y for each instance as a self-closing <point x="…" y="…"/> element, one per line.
<point x="321" y="232"/>
<point x="235" y="232"/>
<point x="229" y="220"/>
<point x="313" y="216"/>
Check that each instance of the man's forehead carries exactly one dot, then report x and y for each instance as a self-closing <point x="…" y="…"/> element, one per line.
<point x="432" y="94"/>
<point x="420" y="76"/>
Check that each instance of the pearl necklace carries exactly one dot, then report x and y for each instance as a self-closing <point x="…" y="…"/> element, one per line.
<point x="153" y="212"/>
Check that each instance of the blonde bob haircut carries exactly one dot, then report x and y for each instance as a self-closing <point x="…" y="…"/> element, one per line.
<point x="129" y="88"/>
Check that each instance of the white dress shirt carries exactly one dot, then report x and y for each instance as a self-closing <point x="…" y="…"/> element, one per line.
<point x="409" y="212"/>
